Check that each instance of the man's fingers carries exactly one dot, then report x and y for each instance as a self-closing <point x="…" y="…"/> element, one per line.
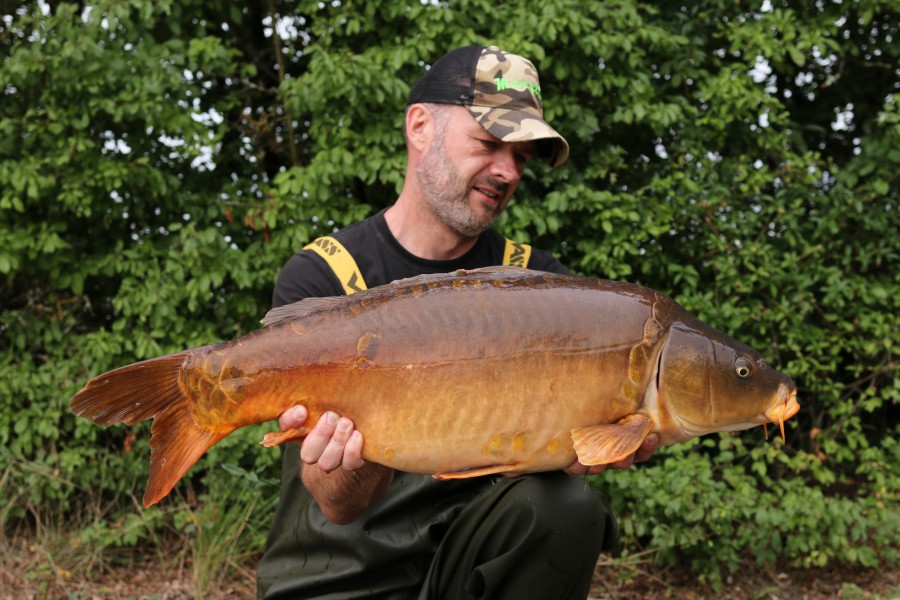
<point x="622" y="464"/>
<point x="293" y="418"/>
<point x="576" y="469"/>
<point x="317" y="440"/>
<point x="353" y="452"/>
<point x="333" y="454"/>
<point x="648" y="447"/>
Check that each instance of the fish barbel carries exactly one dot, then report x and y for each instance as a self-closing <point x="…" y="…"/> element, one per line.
<point x="500" y="370"/>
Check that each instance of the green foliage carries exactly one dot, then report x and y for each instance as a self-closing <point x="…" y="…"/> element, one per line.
<point x="719" y="502"/>
<point x="159" y="161"/>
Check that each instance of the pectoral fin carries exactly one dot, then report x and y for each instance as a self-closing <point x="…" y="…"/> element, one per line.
<point x="604" y="444"/>
<point x="492" y="470"/>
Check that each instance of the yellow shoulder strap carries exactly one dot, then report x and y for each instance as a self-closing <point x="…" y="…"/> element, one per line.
<point x="516" y="254"/>
<point x="340" y="261"/>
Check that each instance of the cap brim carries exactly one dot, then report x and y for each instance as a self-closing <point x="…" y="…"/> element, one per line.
<point x="512" y="125"/>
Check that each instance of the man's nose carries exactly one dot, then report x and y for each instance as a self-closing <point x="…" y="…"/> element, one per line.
<point x="505" y="166"/>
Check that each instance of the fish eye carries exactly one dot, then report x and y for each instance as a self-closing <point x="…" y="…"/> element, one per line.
<point x="743" y="368"/>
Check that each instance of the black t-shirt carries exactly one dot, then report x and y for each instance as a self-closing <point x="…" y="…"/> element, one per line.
<point x="387" y="551"/>
<point x="381" y="259"/>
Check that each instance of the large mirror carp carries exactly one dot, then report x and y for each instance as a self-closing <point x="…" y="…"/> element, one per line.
<point x="499" y="370"/>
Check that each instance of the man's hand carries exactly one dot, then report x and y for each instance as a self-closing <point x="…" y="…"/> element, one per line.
<point x="333" y="470"/>
<point x="332" y="443"/>
<point x="648" y="447"/>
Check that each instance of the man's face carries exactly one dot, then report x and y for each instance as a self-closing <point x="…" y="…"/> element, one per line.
<point x="468" y="175"/>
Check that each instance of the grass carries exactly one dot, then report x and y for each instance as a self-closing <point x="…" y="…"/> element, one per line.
<point x="215" y="535"/>
<point x="88" y="545"/>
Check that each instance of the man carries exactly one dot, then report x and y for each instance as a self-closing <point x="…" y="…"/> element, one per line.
<point x="346" y="528"/>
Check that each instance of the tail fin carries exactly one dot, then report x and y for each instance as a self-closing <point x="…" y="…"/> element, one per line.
<point x="150" y="390"/>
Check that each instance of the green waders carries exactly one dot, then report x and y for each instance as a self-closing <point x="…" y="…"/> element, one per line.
<point x="536" y="536"/>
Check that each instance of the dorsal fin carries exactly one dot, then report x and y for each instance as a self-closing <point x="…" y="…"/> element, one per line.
<point x="303" y="308"/>
<point x="506" y="271"/>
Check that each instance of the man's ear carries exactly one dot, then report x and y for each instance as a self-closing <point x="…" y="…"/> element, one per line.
<point x="419" y="127"/>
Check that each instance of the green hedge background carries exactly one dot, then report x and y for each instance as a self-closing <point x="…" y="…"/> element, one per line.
<point x="160" y="160"/>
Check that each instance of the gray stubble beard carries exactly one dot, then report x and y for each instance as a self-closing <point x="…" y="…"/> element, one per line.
<point x="446" y="191"/>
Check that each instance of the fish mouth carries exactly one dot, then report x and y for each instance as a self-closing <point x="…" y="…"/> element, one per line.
<point x="783" y="410"/>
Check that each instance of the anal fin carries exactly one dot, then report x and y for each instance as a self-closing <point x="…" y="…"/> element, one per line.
<point x="605" y="444"/>
<point x="276" y="438"/>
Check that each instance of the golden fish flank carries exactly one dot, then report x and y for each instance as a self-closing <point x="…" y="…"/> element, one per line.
<point x="553" y="446"/>
<point x="499" y="370"/>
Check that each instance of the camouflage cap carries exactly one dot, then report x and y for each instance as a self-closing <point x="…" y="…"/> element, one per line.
<point x="500" y="90"/>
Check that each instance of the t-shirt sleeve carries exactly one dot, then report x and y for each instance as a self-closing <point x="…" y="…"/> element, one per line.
<point x="305" y="275"/>
<point x="541" y="260"/>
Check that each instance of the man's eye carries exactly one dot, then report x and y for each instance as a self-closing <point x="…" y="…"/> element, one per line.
<point x="489" y="144"/>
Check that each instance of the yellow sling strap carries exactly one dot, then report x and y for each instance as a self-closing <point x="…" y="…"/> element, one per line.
<point x="516" y="254"/>
<point x="340" y="261"/>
